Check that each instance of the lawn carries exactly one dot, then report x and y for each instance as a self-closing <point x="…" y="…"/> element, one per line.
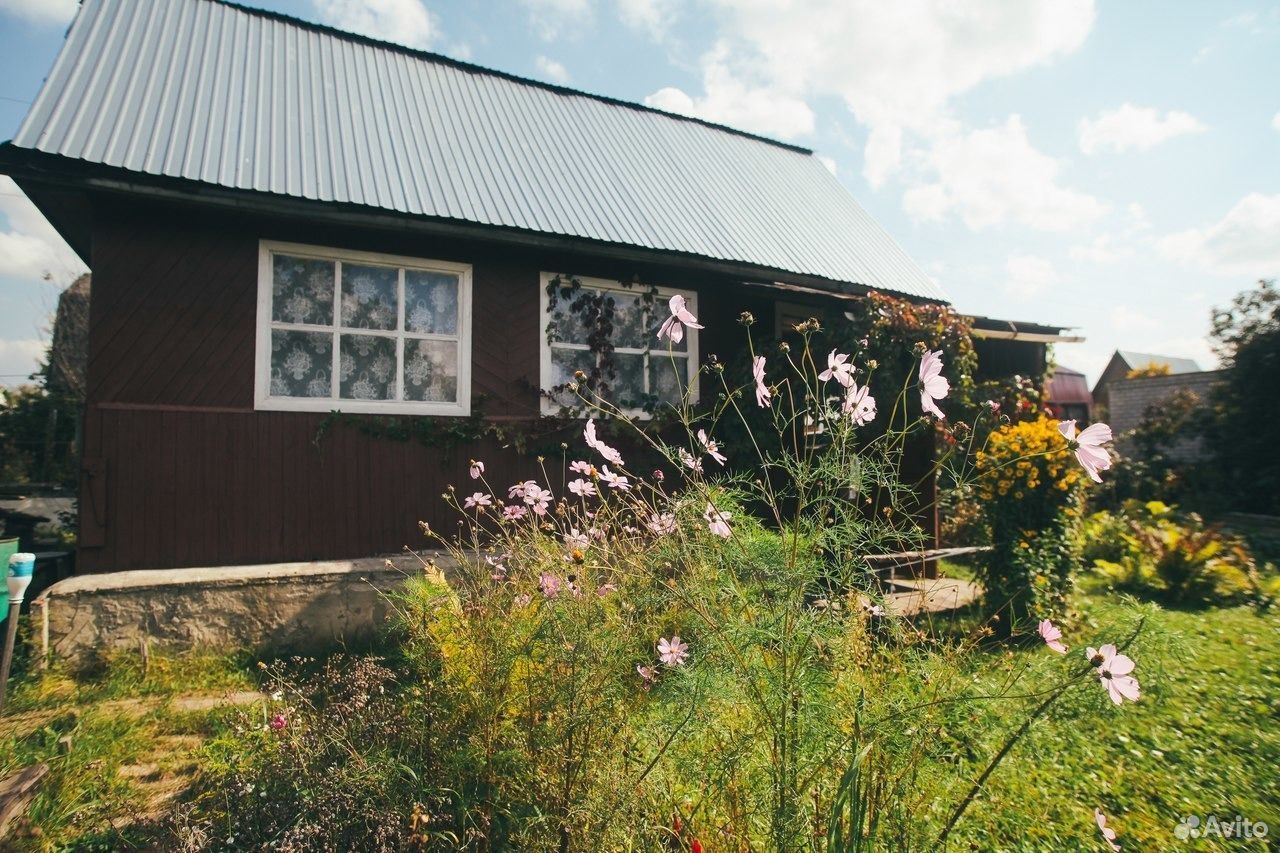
<point x="1204" y="740"/>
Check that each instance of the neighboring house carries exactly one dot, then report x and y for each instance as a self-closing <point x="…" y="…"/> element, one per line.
<point x="1131" y="399"/>
<point x="1125" y="362"/>
<point x="284" y="220"/>
<point x="1067" y="395"/>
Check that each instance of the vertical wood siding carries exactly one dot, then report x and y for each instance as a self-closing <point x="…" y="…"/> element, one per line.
<point x="181" y="471"/>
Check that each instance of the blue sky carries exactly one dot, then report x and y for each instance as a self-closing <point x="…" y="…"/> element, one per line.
<point x="1113" y="166"/>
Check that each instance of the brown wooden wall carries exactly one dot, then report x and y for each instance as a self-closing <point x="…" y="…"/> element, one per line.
<point x="179" y="470"/>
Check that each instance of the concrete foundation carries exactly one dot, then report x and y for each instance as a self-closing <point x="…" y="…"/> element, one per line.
<point x="268" y="608"/>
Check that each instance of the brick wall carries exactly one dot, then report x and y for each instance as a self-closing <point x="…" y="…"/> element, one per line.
<point x="1129" y="399"/>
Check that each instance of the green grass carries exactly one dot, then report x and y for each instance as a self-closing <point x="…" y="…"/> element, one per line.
<point x="1203" y="740"/>
<point x="115" y="715"/>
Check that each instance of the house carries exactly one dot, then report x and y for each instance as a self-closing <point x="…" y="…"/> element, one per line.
<point x="1124" y="363"/>
<point x="1067" y="395"/>
<point x="1178" y="395"/>
<point x="284" y="220"/>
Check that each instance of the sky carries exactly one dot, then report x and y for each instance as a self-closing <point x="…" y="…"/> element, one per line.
<point x="1110" y="166"/>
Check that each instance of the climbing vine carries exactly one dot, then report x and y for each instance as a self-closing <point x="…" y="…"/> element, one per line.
<point x="570" y="304"/>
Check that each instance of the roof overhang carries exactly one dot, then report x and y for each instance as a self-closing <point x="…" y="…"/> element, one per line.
<point x="59" y="186"/>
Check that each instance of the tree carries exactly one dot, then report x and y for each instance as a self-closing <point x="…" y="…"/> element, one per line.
<point x="1246" y="427"/>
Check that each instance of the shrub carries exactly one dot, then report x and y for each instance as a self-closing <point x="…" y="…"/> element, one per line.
<point x="1152" y="550"/>
<point x="1030" y="490"/>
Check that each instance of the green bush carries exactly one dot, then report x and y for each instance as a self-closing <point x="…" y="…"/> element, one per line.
<point x="1152" y="550"/>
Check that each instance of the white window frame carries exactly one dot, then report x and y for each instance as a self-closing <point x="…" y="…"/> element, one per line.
<point x="262" y="382"/>
<point x="656" y="349"/>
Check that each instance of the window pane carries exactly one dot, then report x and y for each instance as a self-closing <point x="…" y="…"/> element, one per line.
<point x="367" y="367"/>
<point x="431" y="302"/>
<point x="627" y="388"/>
<point x="431" y="371"/>
<point x="564" y="362"/>
<point x="628" y="321"/>
<point x="369" y="296"/>
<point x="301" y="363"/>
<point x="301" y="290"/>
<point x="659" y="316"/>
<point x="566" y="320"/>
<point x="667" y="382"/>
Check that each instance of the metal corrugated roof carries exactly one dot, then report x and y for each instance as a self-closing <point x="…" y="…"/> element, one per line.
<point x="1139" y="360"/>
<point x="216" y="93"/>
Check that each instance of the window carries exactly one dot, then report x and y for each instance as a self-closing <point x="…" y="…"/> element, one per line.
<point x="645" y="368"/>
<point x="362" y="332"/>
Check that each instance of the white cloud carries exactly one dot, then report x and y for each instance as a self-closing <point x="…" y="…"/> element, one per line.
<point x="1029" y="275"/>
<point x="19" y="359"/>
<point x="29" y="246"/>
<point x="553" y="19"/>
<point x="994" y="176"/>
<point x="829" y="162"/>
<point x="404" y="22"/>
<point x="896" y="64"/>
<point x="41" y="11"/>
<point x="1104" y="249"/>
<point x="1275" y="121"/>
<point x="1245" y="242"/>
<point x="654" y="18"/>
<point x="1131" y="128"/>
<point x="552" y="70"/>
<point x="729" y="100"/>
<point x="1129" y="320"/>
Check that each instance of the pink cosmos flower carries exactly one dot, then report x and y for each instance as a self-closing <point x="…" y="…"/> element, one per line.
<point x="518" y="490"/>
<point x="838" y="368"/>
<point x="549" y="584"/>
<point x="933" y="385"/>
<point x="763" y="395"/>
<point x="662" y="524"/>
<point x="604" y="590"/>
<point x="478" y="499"/>
<point x="574" y="539"/>
<point x="689" y="460"/>
<point x="859" y="405"/>
<point x="477" y="469"/>
<point x="1052" y="636"/>
<point x="672" y="652"/>
<point x="581" y="467"/>
<point x="609" y="454"/>
<point x="658" y="476"/>
<point x="278" y="722"/>
<point x="537" y="497"/>
<point x="713" y="449"/>
<point x="614" y="481"/>
<point x="673" y="327"/>
<point x="582" y="488"/>
<point x="648" y="674"/>
<point x="717" y="521"/>
<point x="1088" y="446"/>
<point x="514" y="512"/>
<point x="1108" y="834"/>
<point x="1113" y="673"/>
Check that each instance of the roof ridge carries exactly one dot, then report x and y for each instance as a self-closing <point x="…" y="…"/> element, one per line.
<point x="473" y="68"/>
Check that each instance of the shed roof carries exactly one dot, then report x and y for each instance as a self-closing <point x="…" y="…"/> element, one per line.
<point x="1136" y="360"/>
<point x="220" y="94"/>
<point x="1068" y="386"/>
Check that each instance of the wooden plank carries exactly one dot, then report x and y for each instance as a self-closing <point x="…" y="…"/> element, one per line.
<point x="17" y="790"/>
